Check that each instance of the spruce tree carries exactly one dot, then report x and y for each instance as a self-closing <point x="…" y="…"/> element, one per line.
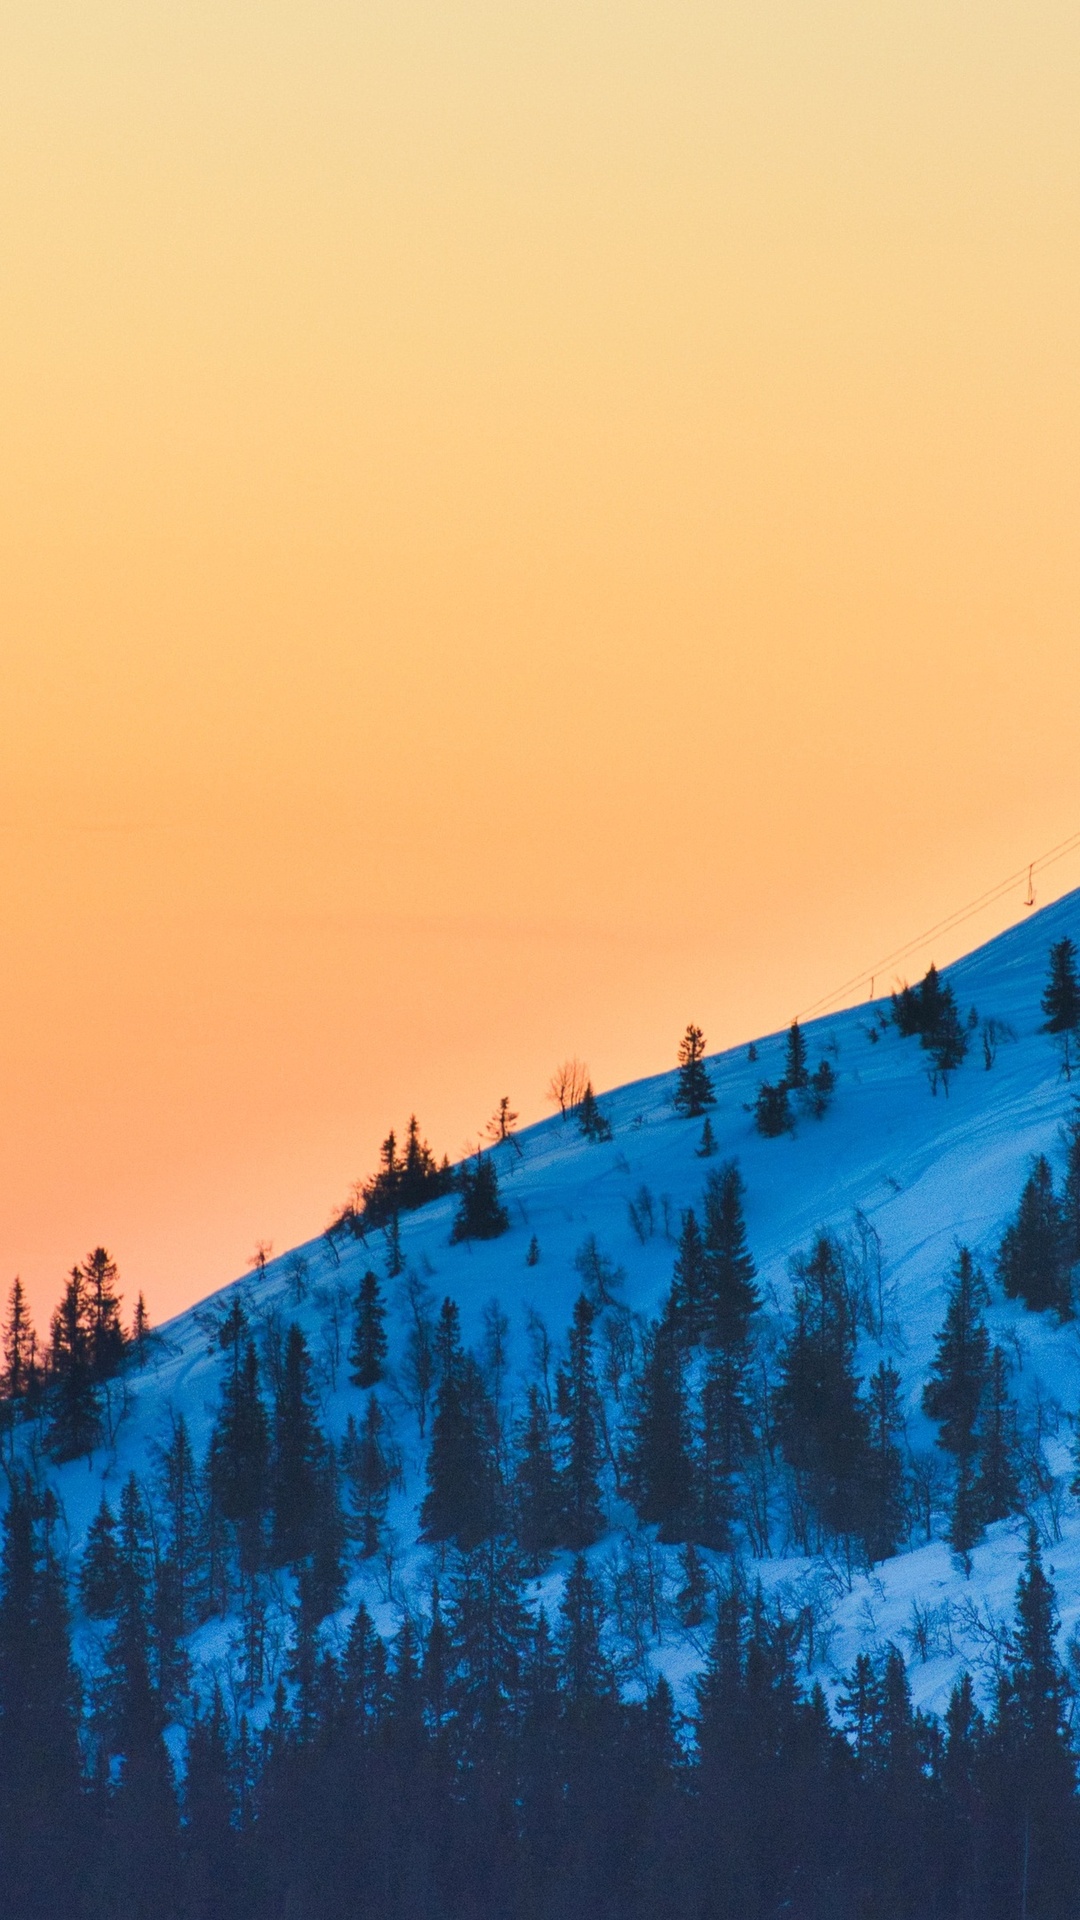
<point x="367" y="1352"/>
<point x="821" y="1420"/>
<point x="883" y="1496"/>
<point x="43" y="1842"/>
<point x="821" y="1090"/>
<point x="211" y="1842"/>
<point x="182" y="1522"/>
<point x="796" y="1072"/>
<point x="18" y="1345"/>
<point x="998" y="1487"/>
<point x="693" y="1089"/>
<point x="99" y="1575"/>
<point x="772" y="1110"/>
<point x="1061" y="1000"/>
<point x="298" y="1448"/>
<point x="577" y="1399"/>
<point x="481" y="1214"/>
<point x="1032" y="1771"/>
<point x="536" y="1486"/>
<point x="106" y="1335"/>
<point x="460" y="1503"/>
<point x="954" y="1390"/>
<point x="730" y="1295"/>
<point x="1032" y="1259"/>
<point x="945" y="1039"/>
<point x="1070" y="1195"/>
<point x="660" y="1466"/>
<point x="370" y="1471"/>
<point x="707" y="1145"/>
<point x="592" y="1123"/>
<point x="688" y="1306"/>
<point x="239" y="1459"/>
<point x="75" y="1424"/>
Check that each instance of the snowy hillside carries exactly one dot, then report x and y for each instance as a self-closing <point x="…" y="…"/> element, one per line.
<point x="924" y="1171"/>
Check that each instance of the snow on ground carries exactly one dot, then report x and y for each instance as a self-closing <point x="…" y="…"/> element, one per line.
<point x="927" y="1171"/>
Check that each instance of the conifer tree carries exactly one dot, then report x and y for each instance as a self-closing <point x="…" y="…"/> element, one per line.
<point x="592" y="1123"/>
<point x="367" y="1352"/>
<point x="140" y="1330"/>
<point x="998" y="1488"/>
<point x="659" y="1461"/>
<point x="884" y="1517"/>
<point x="578" y="1404"/>
<point x="42" y="1834"/>
<point x="481" y="1214"/>
<point x="460" y="1503"/>
<point x="18" y="1345"/>
<point x="954" y="1390"/>
<point x="75" y="1425"/>
<point x="586" y="1672"/>
<point x="106" y="1335"/>
<point x="772" y="1110"/>
<point x="1032" y="1258"/>
<point x="1032" y="1772"/>
<point x="688" y="1306"/>
<point x="328" y="1534"/>
<point x="1070" y="1196"/>
<point x="731" y="1297"/>
<point x="177" y="1490"/>
<point x="213" y="1869"/>
<point x="821" y="1420"/>
<point x="536" y="1486"/>
<point x="487" y="1628"/>
<point x="796" y="1072"/>
<point x="1061" y="1000"/>
<point x="239" y="1460"/>
<point x="821" y="1089"/>
<point x="945" y="1039"/>
<point x="99" y="1575"/>
<point x="694" y="1089"/>
<point x="370" y="1472"/>
<point x="707" y="1145"/>
<point x="298" y="1448"/>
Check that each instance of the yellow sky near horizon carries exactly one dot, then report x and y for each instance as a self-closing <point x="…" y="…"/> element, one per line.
<point x="520" y="526"/>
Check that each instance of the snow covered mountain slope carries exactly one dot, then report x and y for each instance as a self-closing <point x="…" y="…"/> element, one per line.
<point x="926" y="1171"/>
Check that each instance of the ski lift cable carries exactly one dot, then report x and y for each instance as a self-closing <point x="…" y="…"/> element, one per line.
<point x="951" y="921"/>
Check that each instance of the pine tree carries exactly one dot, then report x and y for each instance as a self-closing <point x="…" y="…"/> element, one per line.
<point x="99" y="1575"/>
<point x="821" y="1090"/>
<point x="945" y="1039"/>
<point x="370" y="1471"/>
<point x="694" y="1089"/>
<point x="42" y="1836"/>
<point x="143" y="1839"/>
<point x="884" y="1517"/>
<point x="487" y="1630"/>
<point x="536" y="1486"/>
<point x="954" y="1390"/>
<point x="481" y="1214"/>
<point x="1033" y="1806"/>
<point x="140" y="1330"/>
<point x="772" y="1110"/>
<point x="1061" y="1000"/>
<point x="177" y="1491"/>
<point x="578" y="1404"/>
<point x="660" y="1467"/>
<point x="592" y="1124"/>
<point x="298" y="1449"/>
<point x="75" y="1425"/>
<point x="1032" y="1258"/>
<point x="688" y="1305"/>
<point x="18" y="1345"/>
<point x="731" y="1297"/>
<point x="106" y="1335"/>
<point x="213" y="1871"/>
<point x="239" y="1459"/>
<point x="998" y="1489"/>
<point x="586" y="1673"/>
<point x="367" y="1352"/>
<point x="707" y="1146"/>
<point x="1070" y="1197"/>
<point x="796" y="1072"/>
<point x="821" y="1421"/>
<point x="460" y="1503"/>
<point x="329" y="1535"/>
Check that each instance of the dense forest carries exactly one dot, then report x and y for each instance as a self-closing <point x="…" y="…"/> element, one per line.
<point x="196" y="1721"/>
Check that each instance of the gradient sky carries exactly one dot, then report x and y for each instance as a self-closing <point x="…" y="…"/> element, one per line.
<point x="520" y="525"/>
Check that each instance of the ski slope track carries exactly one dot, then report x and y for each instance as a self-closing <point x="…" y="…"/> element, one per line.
<point x="928" y="1171"/>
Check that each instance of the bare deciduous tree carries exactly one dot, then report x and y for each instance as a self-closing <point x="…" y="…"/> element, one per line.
<point x="566" y="1088"/>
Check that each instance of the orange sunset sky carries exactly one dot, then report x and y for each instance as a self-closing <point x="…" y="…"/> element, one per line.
<point x="524" y="523"/>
